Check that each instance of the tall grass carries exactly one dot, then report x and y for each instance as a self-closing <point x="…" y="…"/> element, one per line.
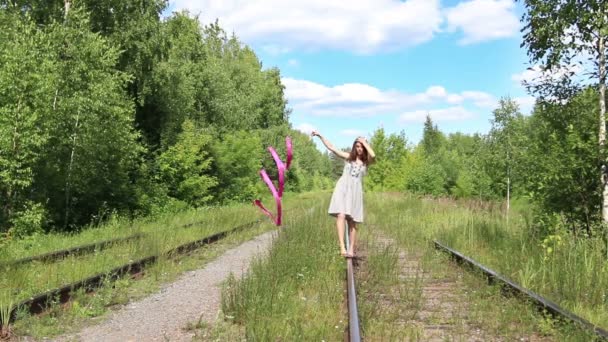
<point x="117" y="227"/>
<point x="20" y="282"/>
<point x="161" y="237"/>
<point x="296" y="292"/>
<point x="573" y="272"/>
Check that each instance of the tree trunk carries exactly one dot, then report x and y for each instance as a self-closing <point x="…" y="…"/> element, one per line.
<point x="508" y="196"/>
<point x="68" y="181"/>
<point x="11" y="192"/>
<point x="602" y="133"/>
<point x="66" y="5"/>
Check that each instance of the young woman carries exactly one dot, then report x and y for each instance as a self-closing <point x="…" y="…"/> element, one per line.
<point x="347" y="200"/>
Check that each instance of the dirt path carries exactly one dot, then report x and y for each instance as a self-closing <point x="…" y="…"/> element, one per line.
<point x="421" y="306"/>
<point x="163" y="316"/>
<point x="426" y="303"/>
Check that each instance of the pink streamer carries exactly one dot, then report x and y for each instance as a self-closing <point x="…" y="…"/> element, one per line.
<point x="289" y="151"/>
<point x="280" y="168"/>
<point x="278" y="195"/>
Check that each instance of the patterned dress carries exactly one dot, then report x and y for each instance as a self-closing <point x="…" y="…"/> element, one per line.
<point x="348" y="195"/>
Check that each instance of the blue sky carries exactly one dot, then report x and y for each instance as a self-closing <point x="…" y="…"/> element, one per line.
<point x="350" y="67"/>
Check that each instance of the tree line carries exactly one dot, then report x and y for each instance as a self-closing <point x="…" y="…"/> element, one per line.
<point x="556" y="158"/>
<point x="548" y="158"/>
<point x="107" y="107"/>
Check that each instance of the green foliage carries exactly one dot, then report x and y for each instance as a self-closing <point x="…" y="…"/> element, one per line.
<point x="311" y="168"/>
<point x="235" y="93"/>
<point x="176" y="80"/>
<point x="26" y="83"/>
<point x="92" y="147"/>
<point x="184" y="166"/>
<point x="28" y="220"/>
<point x="101" y="105"/>
<point x="237" y="158"/>
<point x="389" y="170"/>
<point x="432" y="138"/>
<point x="556" y="33"/>
<point x="561" y="159"/>
<point x="465" y="185"/>
<point x="505" y="146"/>
<point x="425" y="175"/>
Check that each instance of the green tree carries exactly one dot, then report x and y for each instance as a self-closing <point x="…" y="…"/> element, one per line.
<point x="237" y="160"/>
<point x="92" y="147"/>
<point x="556" y="32"/>
<point x="389" y="170"/>
<point x="26" y="87"/>
<point x="560" y="162"/>
<point x="432" y="138"/>
<point x="503" y="139"/>
<point x="425" y="176"/>
<point x="176" y="80"/>
<point x="185" y="166"/>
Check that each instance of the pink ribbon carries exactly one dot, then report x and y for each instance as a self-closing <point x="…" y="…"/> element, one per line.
<point x="278" y="195"/>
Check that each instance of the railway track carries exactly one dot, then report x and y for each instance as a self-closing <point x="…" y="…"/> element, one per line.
<point x="78" y="250"/>
<point x="39" y="303"/>
<point x="354" y="333"/>
<point x="510" y="286"/>
<point x="82" y="249"/>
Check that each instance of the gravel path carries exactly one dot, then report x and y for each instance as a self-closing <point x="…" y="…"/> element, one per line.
<point x="196" y="295"/>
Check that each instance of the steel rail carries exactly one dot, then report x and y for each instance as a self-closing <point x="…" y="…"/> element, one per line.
<point x="353" y="314"/>
<point x="511" y="286"/>
<point x="82" y="249"/>
<point x="38" y="303"/>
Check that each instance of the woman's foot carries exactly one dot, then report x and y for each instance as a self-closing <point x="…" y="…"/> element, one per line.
<point x="343" y="253"/>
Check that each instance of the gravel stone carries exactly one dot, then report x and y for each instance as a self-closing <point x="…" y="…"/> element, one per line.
<point x="164" y="315"/>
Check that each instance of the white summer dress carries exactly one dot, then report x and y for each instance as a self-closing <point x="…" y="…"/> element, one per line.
<point x="348" y="195"/>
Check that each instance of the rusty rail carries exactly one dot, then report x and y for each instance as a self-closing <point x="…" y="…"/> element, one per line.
<point x="39" y="303"/>
<point x="536" y="299"/>
<point x="353" y="314"/>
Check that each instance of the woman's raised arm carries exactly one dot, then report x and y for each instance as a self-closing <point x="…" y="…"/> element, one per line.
<point x="330" y="147"/>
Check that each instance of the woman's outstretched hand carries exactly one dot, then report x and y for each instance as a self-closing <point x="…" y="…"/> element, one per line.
<point x="315" y="134"/>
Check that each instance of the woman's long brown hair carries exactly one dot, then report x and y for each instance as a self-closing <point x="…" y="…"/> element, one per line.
<point x="353" y="154"/>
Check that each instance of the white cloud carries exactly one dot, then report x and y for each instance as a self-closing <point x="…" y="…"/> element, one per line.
<point x="454" y="99"/>
<point x="446" y="114"/>
<point x="363" y="100"/>
<point x="363" y="26"/>
<point x="293" y="62"/>
<point x="306" y="128"/>
<point x="480" y="99"/>
<point x="436" y="91"/>
<point x="483" y="20"/>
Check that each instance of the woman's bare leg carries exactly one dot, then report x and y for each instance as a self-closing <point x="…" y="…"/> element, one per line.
<point x="340" y="221"/>
<point x="352" y="237"/>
